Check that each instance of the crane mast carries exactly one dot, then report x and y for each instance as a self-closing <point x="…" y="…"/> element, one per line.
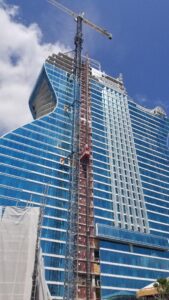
<point x="80" y="170"/>
<point x="78" y="48"/>
<point x="79" y="18"/>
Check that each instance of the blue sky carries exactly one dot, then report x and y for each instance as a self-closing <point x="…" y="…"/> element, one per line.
<point x="139" y="48"/>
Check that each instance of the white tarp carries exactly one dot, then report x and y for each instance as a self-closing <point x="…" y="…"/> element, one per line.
<point x="43" y="291"/>
<point x="18" y="239"/>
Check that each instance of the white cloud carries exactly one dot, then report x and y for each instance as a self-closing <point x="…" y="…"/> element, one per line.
<point x="22" y="54"/>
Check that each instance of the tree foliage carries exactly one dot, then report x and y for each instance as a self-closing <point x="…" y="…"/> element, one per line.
<point x="162" y="286"/>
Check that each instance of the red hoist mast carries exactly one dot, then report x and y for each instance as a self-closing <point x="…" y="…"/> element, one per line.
<point x="81" y="261"/>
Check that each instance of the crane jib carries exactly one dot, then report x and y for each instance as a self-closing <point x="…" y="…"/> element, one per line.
<point x="75" y="16"/>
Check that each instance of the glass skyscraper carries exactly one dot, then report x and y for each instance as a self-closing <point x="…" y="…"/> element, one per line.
<point x="130" y="185"/>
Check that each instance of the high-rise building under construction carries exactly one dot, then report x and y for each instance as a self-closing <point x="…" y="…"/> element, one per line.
<point x="109" y="221"/>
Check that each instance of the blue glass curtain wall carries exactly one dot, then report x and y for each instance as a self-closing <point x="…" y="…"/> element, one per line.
<point x="31" y="172"/>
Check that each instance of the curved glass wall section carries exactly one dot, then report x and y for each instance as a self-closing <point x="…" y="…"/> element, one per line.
<point x="43" y="99"/>
<point x="34" y="167"/>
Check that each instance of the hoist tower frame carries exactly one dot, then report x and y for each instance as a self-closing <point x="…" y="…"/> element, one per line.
<point x="80" y="159"/>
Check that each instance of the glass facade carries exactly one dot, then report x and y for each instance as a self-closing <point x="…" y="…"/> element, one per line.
<point x="130" y="158"/>
<point x="131" y="191"/>
<point x="32" y="172"/>
<point x="150" y="136"/>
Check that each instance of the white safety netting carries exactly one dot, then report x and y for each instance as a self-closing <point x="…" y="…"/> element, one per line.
<point x="18" y="241"/>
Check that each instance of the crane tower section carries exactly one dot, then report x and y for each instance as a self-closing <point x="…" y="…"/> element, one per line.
<point x="80" y="245"/>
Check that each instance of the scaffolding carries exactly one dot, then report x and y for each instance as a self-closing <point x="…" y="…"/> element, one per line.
<point x="82" y="269"/>
<point x="86" y="222"/>
<point x="71" y="251"/>
<point x="78" y="281"/>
